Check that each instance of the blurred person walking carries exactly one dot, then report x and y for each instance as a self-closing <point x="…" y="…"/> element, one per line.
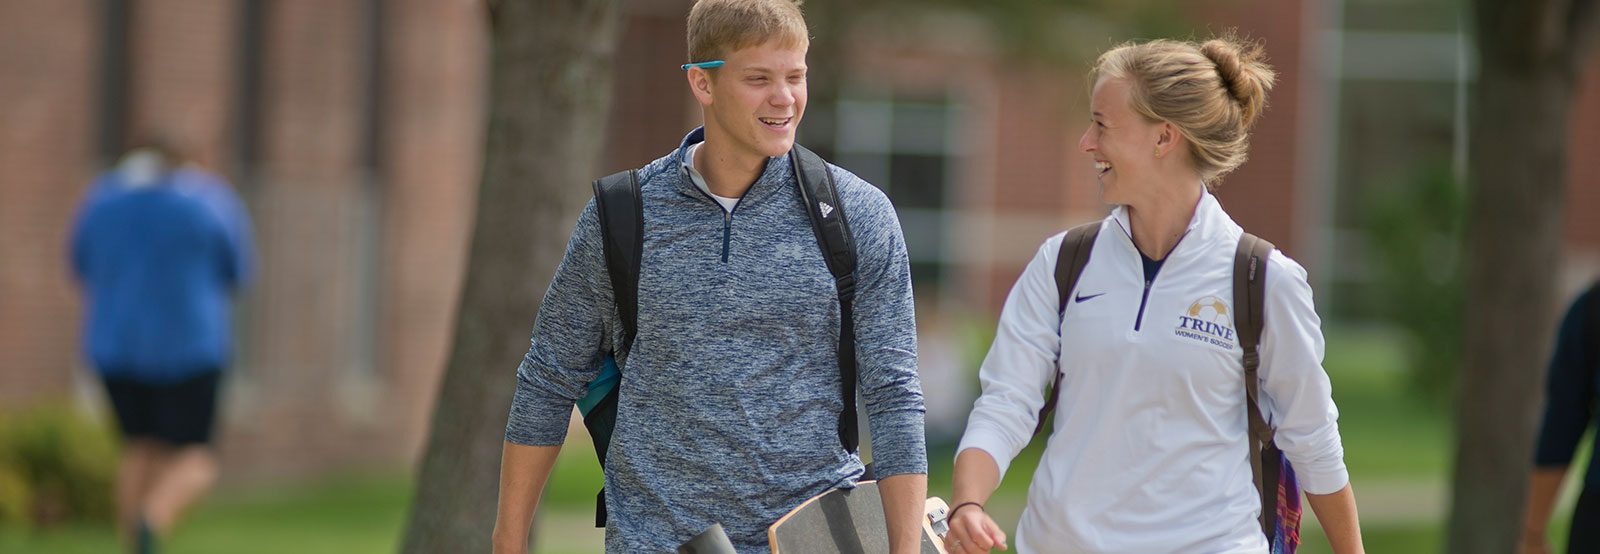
<point x="1151" y="445"/>
<point x="1572" y="388"/>
<point x="159" y="248"/>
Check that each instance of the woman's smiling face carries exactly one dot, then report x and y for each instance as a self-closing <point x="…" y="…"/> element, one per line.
<point x="1122" y="142"/>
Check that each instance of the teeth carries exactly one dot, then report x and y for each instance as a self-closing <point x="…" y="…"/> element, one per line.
<point x="771" y="121"/>
<point x="1102" y="165"/>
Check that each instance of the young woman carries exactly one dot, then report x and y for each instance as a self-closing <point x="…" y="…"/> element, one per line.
<point x="1148" y="453"/>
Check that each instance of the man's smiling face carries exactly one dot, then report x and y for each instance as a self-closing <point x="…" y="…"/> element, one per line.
<point x="755" y="100"/>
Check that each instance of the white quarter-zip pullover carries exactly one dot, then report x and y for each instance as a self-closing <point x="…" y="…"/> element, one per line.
<point x="1148" y="453"/>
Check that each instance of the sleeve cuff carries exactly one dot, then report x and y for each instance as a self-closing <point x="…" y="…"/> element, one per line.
<point x="1323" y="482"/>
<point x="1318" y="460"/>
<point x="535" y="419"/>
<point x="1321" y="472"/>
<point x="990" y="444"/>
<point x="899" y="447"/>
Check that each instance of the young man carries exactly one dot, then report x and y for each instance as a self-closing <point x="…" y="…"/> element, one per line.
<point x="730" y="397"/>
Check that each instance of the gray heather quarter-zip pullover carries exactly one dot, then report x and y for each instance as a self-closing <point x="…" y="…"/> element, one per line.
<point x="729" y="400"/>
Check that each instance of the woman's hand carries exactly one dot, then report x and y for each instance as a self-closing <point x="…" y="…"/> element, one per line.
<point x="972" y="531"/>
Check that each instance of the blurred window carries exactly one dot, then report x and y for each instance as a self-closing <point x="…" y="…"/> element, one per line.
<point x="904" y="145"/>
<point x="1400" y="90"/>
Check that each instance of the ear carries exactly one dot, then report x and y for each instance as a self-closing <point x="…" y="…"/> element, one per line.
<point x="1167" y="138"/>
<point x="700" y="84"/>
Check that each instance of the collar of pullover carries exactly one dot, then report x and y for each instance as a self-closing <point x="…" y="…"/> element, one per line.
<point x="775" y="176"/>
<point x="1209" y="223"/>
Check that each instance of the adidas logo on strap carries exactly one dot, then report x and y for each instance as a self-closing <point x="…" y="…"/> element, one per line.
<point x="825" y="208"/>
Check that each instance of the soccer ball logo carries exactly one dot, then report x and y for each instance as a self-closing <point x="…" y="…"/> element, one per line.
<point x="1210" y="309"/>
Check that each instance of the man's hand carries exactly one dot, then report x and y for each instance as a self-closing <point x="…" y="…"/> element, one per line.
<point x="523" y="472"/>
<point x="904" y="496"/>
<point x="973" y="531"/>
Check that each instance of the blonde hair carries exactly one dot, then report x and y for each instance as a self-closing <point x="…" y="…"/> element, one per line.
<point x="1212" y="91"/>
<point x="720" y="27"/>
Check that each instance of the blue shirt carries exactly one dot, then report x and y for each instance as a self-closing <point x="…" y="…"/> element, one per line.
<point x="1573" y="384"/>
<point x="159" y="264"/>
<point x="729" y="402"/>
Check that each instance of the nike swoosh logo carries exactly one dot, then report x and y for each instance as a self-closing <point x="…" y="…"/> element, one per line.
<point x="1089" y="297"/>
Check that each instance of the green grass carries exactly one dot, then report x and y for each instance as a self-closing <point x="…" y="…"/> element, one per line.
<point x="1419" y="538"/>
<point x="355" y="515"/>
<point x="576" y="478"/>
<point x="348" y="515"/>
<point x="1389" y="431"/>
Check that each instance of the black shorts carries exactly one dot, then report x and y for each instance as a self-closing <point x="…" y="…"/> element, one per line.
<point x="177" y="414"/>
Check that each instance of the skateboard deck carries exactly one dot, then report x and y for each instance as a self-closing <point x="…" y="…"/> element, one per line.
<point x="713" y="540"/>
<point x="847" y="521"/>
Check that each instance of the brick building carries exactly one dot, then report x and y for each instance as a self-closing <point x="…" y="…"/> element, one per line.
<point x="353" y="130"/>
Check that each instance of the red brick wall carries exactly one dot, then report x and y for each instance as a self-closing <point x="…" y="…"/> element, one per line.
<point x="182" y="75"/>
<point x="349" y="342"/>
<point x="651" y="106"/>
<point x="343" y="260"/>
<point x="1261" y="194"/>
<point x="1040" y="178"/>
<point x="1583" y="164"/>
<point x="305" y="330"/>
<point x="48" y="87"/>
<point x="1019" y="177"/>
<point x="434" y="99"/>
<point x="301" y="399"/>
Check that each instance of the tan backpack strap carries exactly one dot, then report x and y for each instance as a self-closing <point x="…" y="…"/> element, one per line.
<point x="1073" y="256"/>
<point x="1249" y="299"/>
<point x="1070" y="261"/>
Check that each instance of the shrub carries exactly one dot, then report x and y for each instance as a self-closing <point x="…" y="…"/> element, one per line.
<point x="1414" y="231"/>
<point x="56" y="465"/>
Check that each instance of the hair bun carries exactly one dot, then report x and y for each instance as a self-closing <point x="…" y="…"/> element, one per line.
<point x="1244" y="72"/>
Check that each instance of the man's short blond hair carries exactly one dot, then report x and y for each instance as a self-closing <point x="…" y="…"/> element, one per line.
<point x="718" y="28"/>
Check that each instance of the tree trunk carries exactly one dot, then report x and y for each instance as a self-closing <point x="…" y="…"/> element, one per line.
<point x="1522" y="99"/>
<point x="550" y="86"/>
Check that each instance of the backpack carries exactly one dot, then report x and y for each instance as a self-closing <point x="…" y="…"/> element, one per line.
<point x="1280" y="500"/>
<point x="621" y="213"/>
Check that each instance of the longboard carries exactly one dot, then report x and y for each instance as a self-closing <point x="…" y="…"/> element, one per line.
<point x="713" y="540"/>
<point x="847" y="521"/>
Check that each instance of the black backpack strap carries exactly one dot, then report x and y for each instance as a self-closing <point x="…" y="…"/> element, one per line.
<point x="1070" y="261"/>
<point x="821" y="199"/>
<point x="622" y="231"/>
<point x="621" y="214"/>
<point x="1249" y="312"/>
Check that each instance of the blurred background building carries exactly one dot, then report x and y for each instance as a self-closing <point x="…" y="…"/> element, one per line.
<point x="353" y="130"/>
